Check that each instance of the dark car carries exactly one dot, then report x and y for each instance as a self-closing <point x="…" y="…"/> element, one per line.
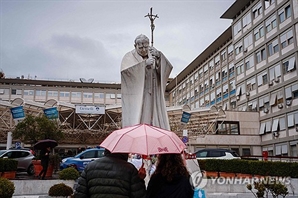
<point x="24" y="158"/>
<point x="216" y="153"/>
<point x="81" y="160"/>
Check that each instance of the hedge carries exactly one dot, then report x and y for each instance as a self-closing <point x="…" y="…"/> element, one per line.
<point x="8" y="165"/>
<point x="253" y="167"/>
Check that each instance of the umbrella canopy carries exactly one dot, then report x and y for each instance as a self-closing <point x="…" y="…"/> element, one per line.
<point x="41" y="144"/>
<point x="143" y="139"/>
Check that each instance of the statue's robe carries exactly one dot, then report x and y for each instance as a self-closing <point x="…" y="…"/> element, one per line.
<point x="136" y="91"/>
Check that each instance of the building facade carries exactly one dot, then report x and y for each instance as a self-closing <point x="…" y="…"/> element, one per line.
<point x="251" y="67"/>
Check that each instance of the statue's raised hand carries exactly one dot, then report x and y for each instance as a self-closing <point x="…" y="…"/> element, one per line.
<point x="154" y="52"/>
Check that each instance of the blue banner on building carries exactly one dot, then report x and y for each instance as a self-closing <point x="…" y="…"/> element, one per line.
<point x="185" y="117"/>
<point x="51" y="113"/>
<point x="17" y="112"/>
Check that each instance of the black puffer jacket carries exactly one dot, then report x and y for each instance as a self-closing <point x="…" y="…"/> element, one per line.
<point x="179" y="187"/>
<point x="110" y="177"/>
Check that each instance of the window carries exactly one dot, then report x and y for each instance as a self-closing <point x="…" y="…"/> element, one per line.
<point x="206" y="67"/>
<point x="274" y="72"/>
<point x="261" y="55"/>
<point x="211" y="81"/>
<point x="230" y="50"/>
<point x="280" y="97"/>
<point x="237" y="27"/>
<point x="216" y="59"/>
<point x="270" y="23"/>
<point x="249" y="62"/>
<point x="252" y="105"/>
<point x="282" y="123"/>
<point x="223" y="55"/>
<point x="228" y="128"/>
<point x="291" y="92"/>
<point x="273" y="99"/>
<point x="224" y="74"/>
<point x="273" y="47"/>
<point x="87" y="95"/>
<point x="76" y="94"/>
<point x="232" y="85"/>
<point x="257" y="10"/>
<point x="231" y="69"/>
<point x="239" y="68"/>
<point x="40" y="92"/>
<point x="238" y="47"/>
<point x="212" y="98"/>
<point x="290" y="120"/>
<point x="286" y="38"/>
<point x="251" y="84"/>
<point x="53" y="93"/>
<point x="246" y="152"/>
<point x="99" y="95"/>
<point x="31" y="92"/>
<point x="262" y="79"/>
<point x="284" y="13"/>
<point x="268" y="3"/>
<point x="241" y="89"/>
<point x="64" y="94"/>
<point x="16" y="92"/>
<point x="246" y="19"/>
<point x="263" y="102"/>
<point x="218" y="92"/>
<point x="268" y="126"/>
<point x="258" y="32"/>
<point x="262" y="128"/>
<point x="289" y="65"/>
<point x="247" y="41"/>
<point x="201" y="73"/>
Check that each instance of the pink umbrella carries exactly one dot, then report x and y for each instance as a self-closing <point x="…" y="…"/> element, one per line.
<point x="143" y="139"/>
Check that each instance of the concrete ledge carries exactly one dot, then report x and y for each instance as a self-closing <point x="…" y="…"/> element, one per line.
<point x="40" y="188"/>
<point x="25" y="188"/>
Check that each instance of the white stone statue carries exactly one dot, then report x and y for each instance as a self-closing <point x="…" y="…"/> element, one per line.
<point x="144" y="74"/>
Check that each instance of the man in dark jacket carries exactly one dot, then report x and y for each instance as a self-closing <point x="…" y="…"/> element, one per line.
<point x="110" y="177"/>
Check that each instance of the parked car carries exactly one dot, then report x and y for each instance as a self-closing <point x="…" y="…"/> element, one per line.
<point x="81" y="160"/>
<point x="23" y="156"/>
<point x="215" y="153"/>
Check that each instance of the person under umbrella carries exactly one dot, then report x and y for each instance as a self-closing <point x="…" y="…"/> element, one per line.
<point x="111" y="176"/>
<point x="170" y="179"/>
<point x="44" y="158"/>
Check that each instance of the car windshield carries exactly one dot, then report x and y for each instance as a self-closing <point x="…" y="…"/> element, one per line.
<point x="235" y="154"/>
<point x="2" y="151"/>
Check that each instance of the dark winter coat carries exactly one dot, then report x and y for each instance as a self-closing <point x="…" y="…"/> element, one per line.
<point x="110" y="177"/>
<point x="179" y="187"/>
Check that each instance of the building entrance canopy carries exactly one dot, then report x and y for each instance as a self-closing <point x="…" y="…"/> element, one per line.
<point x="202" y="121"/>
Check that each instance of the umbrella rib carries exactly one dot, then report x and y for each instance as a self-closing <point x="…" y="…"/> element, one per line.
<point x="164" y="133"/>
<point x="123" y="135"/>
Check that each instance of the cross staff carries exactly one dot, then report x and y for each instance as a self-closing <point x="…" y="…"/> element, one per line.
<point x="152" y="18"/>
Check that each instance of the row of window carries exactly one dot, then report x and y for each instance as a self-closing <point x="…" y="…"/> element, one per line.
<point x="274" y="125"/>
<point x="63" y="94"/>
<point x="273" y="47"/>
<point x="255" y="15"/>
<point x="286" y="38"/>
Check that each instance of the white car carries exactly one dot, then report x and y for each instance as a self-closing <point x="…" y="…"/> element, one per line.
<point x="215" y="153"/>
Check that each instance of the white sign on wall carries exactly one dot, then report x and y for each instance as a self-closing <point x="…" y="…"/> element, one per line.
<point x="89" y="109"/>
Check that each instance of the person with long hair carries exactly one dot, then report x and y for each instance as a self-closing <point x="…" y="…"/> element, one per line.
<point x="170" y="179"/>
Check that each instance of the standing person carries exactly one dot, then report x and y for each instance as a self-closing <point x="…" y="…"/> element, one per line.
<point x="110" y="176"/>
<point x="44" y="158"/>
<point x="170" y="179"/>
<point x="144" y="75"/>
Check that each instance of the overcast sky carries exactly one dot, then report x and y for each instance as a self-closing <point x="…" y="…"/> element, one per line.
<point x="72" y="39"/>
